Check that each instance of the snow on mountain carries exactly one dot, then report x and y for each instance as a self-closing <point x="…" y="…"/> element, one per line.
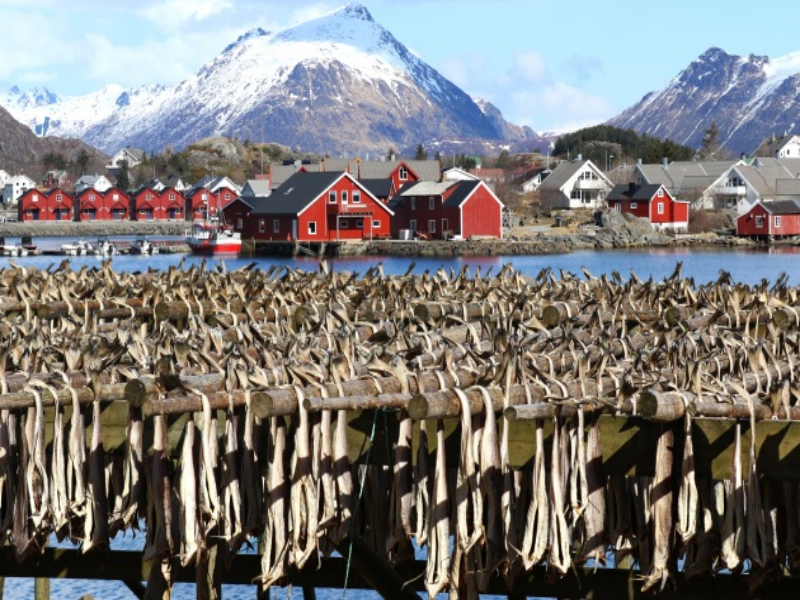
<point x="748" y="97"/>
<point x="339" y="83"/>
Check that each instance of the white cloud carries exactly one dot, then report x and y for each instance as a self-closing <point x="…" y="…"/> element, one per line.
<point x="530" y="66"/>
<point x="171" y="14"/>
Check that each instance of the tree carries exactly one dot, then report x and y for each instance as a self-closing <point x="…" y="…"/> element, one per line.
<point x="124" y="176"/>
<point x="54" y="160"/>
<point x="421" y="153"/>
<point x="438" y="156"/>
<point x="82" y="162"/>
<point x="709" y="147"/>
<point x="502" y="160"/>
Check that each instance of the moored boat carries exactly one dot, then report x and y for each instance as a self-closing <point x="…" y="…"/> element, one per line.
<point x="79" y="248"/>
<point x="141" y="245"/>
<point x="214" y="238"/>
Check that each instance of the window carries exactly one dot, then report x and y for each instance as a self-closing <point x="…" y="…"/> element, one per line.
<point x="312" y="228"/>
<point x="431" y="203"/>
<point x="376" y="224"/>
<point x="661" y="208"/>
<point x="35" y="197"/>
<point x="116" y="196"/>
<point x="276" y="226"/>
<point x="91" y="197"/>
<point x="412" y="225"/>
<point x="227" y="196"/>
<point x="413" y="203"/>
<point x="239" y="223"/>
<point x="777" y="221"/>
<point x="360" y="224"/>
<point x="171" y="197"/>
<point x="148" y="197"/>
<point x="344" y="197"/>
<point x="261" y="226"/>
<point x="403" y="174"/>
<point x="431" y="226"/>
<point x="575" y="195"/>
<point x="759" y="221"/>
<point x="332" y="197"/>
<point x="344" y="224"/>
<point x="204" y="196"/>
<point x="356" y="197"/>
<point x="58" y="197"/>
<point x="445" y="225"/>
<point x="660" y="192"/>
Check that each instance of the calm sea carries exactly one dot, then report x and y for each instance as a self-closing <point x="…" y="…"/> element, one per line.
<point x="749" y="266"/>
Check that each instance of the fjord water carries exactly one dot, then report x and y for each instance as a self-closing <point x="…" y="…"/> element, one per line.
<point x="749" y="266"/>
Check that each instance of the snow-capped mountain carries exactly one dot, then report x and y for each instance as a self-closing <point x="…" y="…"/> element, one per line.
<point x="748" y="97"/>
<point x="338" y="83"/>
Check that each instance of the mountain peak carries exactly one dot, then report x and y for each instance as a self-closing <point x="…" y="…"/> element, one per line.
<point x="356" y="11"/>
<point x="248" y="35"/>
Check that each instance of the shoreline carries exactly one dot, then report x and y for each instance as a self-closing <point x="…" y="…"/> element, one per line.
<point x="536" y="244"/>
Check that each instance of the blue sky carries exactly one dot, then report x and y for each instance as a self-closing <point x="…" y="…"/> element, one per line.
<point x="550" y="65"/>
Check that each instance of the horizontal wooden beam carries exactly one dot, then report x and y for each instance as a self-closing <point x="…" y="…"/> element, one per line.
<point x="582" y="583"/>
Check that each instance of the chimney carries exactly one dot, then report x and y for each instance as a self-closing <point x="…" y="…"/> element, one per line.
<point x="638" y="161"/>
<point x="297" y="164"/>
<point x="665" y="162"/>
<point x="580" y="158"/>
<point x="393" y="158"/>
<point x="757" y="163"/>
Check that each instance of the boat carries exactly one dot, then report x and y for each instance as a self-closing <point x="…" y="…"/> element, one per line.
<point x="13" y="250"/>
<point x="214" y="237"/>
<point x="141" y="245"/>
<point x="105" y="247"/>
<point x="79" y="248"/>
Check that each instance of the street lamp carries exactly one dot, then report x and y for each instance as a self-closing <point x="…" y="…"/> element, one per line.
<point x="611" y="161"/>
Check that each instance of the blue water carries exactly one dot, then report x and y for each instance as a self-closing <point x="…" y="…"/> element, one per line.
<point x="749" y="266"/>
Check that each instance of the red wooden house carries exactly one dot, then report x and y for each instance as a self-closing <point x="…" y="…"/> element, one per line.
<point x="198" y="202"/>
<point x="173" y="204"/>
<point x="238" y="212"/>
<point x="464" y="208"/>
<point x="651" y="201"/>
<point x="780" y="218"/>
<point x="111" y="205"/>
<point x="50" y="205"/>
<point x="319" y="207"/>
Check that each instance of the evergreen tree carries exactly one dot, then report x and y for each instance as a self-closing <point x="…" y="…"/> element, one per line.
<point x="502" y="160"/>
<point x="709" y="147"/>
<point x="82" y="162"/>
<point x="390" y="153"/>
<point x="124" y="177"/>
<point x="438" y="156"/>
<point x="421" y="153"/>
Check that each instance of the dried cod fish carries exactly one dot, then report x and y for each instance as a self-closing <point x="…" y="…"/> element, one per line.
<point x="661" y="503"/>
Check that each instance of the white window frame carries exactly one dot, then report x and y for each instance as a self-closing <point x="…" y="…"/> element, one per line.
<point x="148" y="197"/>
<point x="227" y="196"/>
<point x="356" y="197"/>
<point x="35" y="197"/>
<point x="116" y="196"/>
<point x="759" y="221"/>
<point x="431" y="225"/>
<point x="276" y="225"/>
<point x="660" y="192"/>
<point x="376" y="224"/>
<point x="239" y="223"/>
<point x="345" y="197"/>
<point x="204" y="196"/>
<point x="634" y="206"/>
<point x="91" y="197"/>
<point x="660" y="208"/>
<point x="403" y="174"/>
<point x="431" y="203"/>
<point x="344" y="224"/>
<point x="332" y="197"/>
<point x="312" y="228"/>
<point x="171" y="197"/>
<point x="777" y="221"/>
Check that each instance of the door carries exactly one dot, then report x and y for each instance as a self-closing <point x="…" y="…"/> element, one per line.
<point x="172" y="213"/>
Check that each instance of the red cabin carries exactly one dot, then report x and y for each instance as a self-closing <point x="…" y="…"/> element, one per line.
<point x="173" y="204"/>
<point x="200" y="203"/>
<point x="50" y="205"/>
<point x="780" y="218"/>
<point x="113" y="204"/>
<point x="651" y="201"/>
<point x="237" y="213"/>
<point x="447" y="209"/>
<point x="319" y="207"/>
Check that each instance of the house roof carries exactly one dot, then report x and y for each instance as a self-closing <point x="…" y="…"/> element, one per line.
<point x="673" y="175"/>
<point x="380" y="188"/>
<point x="773" y="144"/>
<point x="565" y="171"/>
<point x="787" y="187"/>
<point x="782" y="207"/>
<point x="488" y="173"/>
<point x="456" y="173"/>
<point x="425" y="170"/>
<point x="256" y="187"/>
<point x="460" y="193"/>
<point x="296" y="193"/>
<point x="339" y="164"/>
<point x="640" y="193"/>
<point x="429" y="188"/>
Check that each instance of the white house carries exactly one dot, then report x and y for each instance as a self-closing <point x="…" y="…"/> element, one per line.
<point x="134" y="157"/>
<point x="765" y="180"/>
<point x="576" y="184"/>
<point x="785" y="146"/>
<point x="15" y="187"/>
<point x="4" y="177"/>
<point x="214" y="184"/>
<point x="99" y="182"/>
<point x="695" y="181"/>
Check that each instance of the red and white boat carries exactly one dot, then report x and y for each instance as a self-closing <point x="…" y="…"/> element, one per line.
<point x="214" y="238"/>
